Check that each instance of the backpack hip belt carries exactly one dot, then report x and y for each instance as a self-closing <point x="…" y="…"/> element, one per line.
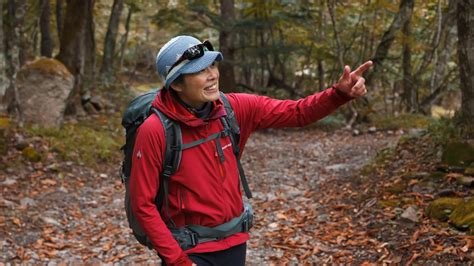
<point x="192" y="235"/>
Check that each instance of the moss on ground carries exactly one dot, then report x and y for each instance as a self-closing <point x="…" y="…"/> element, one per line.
<point x="31" y="154"/>
<point x="470" y="170"/>
<point x="434" y="177"/>
<point x="463" y="216"/>
<point x="441" y="208"/>
<point x="402" y="121"/>
<point x="397" y="188"/>
<point x="4" y="126"/>
<point x="382" y="158"/>
<point x="388" y="203"/>
<point x="48" y="66"/>
<point x="90" y="142"/>
<point x="458" y="154"/>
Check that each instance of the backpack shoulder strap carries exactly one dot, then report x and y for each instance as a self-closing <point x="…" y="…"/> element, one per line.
<point x="230" y="123"/>
<point x="171" y="161"/>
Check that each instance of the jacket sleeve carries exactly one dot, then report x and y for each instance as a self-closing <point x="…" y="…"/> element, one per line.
<point x="144" y="184"/>
<point x="258" y="112"/>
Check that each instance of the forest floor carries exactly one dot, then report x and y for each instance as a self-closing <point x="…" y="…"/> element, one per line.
<point x="320" y="196"/>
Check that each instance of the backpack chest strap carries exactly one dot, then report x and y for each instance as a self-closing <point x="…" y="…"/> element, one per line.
<point x="217" y="136"/>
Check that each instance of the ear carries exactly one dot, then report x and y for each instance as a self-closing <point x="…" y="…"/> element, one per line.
<point x="177" y="86"/>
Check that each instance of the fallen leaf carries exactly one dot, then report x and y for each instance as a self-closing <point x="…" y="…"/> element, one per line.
<point x="281" y="216"/>
<point x="415" y="236"/>
<point x="16" y="221"/>
<point x="412" y="258"/>
<point x="49" y="182"/>
<point x="107" y="246"/>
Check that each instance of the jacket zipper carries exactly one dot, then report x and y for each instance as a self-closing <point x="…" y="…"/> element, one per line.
<point x="182" y="206"/>
<point x="219" y="164"/>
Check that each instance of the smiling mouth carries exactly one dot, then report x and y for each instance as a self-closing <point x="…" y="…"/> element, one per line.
<point x="211" y="88"/>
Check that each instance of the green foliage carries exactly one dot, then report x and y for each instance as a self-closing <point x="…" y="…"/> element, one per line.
<point x="89" y="142"/>
<point x="444" y="130"/>
<point x="383" y="157"/>
<point x="332" y="121"/>
<point x="404" y="121"/>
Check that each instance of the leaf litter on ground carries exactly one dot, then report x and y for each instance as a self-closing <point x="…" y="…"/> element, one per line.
<point x="316" y="201"/>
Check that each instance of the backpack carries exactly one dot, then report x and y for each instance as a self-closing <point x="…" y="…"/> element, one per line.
<point x="134" y="115"/>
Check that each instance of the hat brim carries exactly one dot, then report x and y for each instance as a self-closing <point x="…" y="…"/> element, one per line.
<point x="196" y="65"/>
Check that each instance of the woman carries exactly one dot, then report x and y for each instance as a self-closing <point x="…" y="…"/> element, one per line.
<point x="205" y="190"/>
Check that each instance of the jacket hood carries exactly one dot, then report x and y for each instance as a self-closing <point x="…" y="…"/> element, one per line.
<point x="169" y="106"/>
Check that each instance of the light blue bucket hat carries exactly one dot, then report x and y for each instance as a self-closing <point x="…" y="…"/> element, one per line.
<point x="172" y="51"/>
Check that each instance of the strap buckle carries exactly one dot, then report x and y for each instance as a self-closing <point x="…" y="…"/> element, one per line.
<point x="194" y="238"/>
<point x="167" y="171"/>
<point x="186" y="238"/>
<point x="247" y="222"/>
<point x="246" y="225"/>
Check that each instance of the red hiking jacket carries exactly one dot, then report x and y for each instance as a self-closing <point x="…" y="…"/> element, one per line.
<point x="204" y="191"/>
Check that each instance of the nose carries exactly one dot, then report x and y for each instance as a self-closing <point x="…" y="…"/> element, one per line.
<point x="213" y="72"/>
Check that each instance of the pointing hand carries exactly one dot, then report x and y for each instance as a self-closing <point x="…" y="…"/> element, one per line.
<point x="352" y="83"/>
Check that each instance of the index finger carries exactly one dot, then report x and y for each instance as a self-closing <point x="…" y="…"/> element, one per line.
<point x="362" y="68"/>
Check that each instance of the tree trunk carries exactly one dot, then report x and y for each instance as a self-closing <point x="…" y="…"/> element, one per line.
<point x="322" y="33"/>
<point x="226" y="43"/>
<point x="465" y="21"/>
<point x="59" y="18"/>
<point x="427" y="102"/>
<point x="3" y="64"/>
<point x="110" y="38"/>
<point x="340" y="52"/>
<point x="405" y="11"/>
<point x="16" y="12"/>
<point x="123" y="42"/>
<point x="77" y="50"/>
<point x="447" y="22"/>
<point x="45" y="18"/>
<point x="90" y="49"/>
<point x="409" y="90"/>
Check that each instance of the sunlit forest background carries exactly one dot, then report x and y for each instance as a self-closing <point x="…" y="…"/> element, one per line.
<point x="278" y="48"/>
<point x="68" y="69"/>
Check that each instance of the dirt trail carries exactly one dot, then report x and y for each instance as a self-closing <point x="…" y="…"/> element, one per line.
<point x="62" y="212"/>
<point x="286" y="169"/>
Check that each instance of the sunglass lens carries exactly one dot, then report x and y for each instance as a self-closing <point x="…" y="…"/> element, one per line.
<point x="193" y="52"/>
<point x="208" y="45"/>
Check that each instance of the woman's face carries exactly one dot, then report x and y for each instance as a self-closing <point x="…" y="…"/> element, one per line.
<point x="199" y="88"/>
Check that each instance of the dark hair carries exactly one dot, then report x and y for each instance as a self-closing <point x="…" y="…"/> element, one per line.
<point x="179" y="79"/>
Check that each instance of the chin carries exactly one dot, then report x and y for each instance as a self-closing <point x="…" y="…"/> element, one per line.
<point x="213" y="97"/>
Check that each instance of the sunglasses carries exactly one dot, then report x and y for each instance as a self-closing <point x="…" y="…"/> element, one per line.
<point x="193" y="52"/>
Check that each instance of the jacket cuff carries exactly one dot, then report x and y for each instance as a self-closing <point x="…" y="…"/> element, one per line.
<point x="341" y="94"/>
<point x="183" y="260"/>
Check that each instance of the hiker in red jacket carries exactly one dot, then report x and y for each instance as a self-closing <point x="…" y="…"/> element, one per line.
<point x="205" y="190"/>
